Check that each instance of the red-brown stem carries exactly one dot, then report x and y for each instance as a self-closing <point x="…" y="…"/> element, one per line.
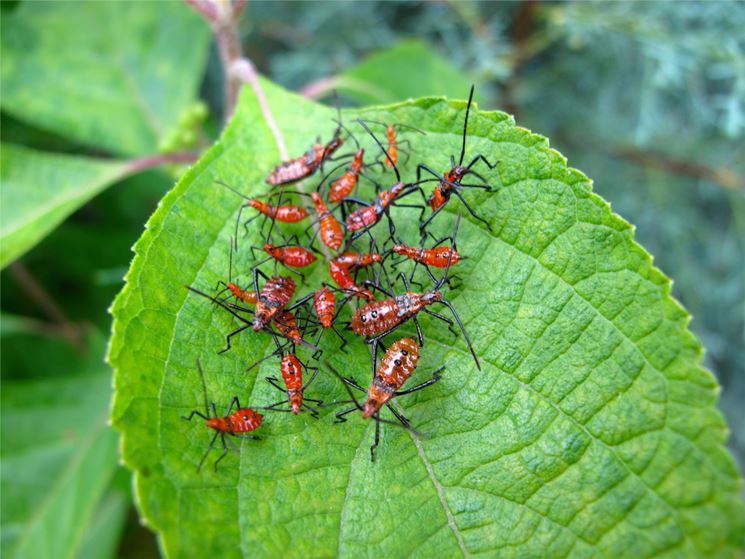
<point x="36" y="292"/>
<point x="222" y="17"/>
<point x="149" y="161"/>
<point x="244" y="70"/>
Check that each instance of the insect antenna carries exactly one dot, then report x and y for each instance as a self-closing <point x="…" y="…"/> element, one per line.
<point x="465" y="128"/>
<point x="348" y="131"/>
<point x="204" y="388"/>
<point x="233" y="190"/>
<point x="374" y="137"/>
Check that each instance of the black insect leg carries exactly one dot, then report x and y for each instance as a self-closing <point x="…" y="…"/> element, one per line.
<point x="470" y="210"/>
<point x="340" y="415"/>
<point x="230" y="335"/>
<point x="402" y="418"/>
<point x="209" y="448"/>
<point x="435" y="377"/>
<point x="377" y="437"/>
<point x="193" y="413"/>
<point x="224" y="450"/>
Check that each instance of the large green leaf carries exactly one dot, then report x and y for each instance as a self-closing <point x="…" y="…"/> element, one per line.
<point x="115" y="76"/>
<point x="39" y="190"/>
<point x="591" y="430"/>
<point x="408" y="69"/>
<point x="58" y="456"/>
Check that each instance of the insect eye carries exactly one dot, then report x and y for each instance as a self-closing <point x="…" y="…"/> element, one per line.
<point x="245" y="418"/>
<point x="364" y="318"/>
<point x="397" y="362"/>
<point x="374" y="314"/>
<point x="404" y="352"/>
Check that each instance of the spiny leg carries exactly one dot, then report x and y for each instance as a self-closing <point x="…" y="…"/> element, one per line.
<point x="402" y="418"/>
<point x="224" y="450"/>
<point x="209" y="448"/>
<point x="470" y="210"/>
<point x="377" y="437"/>
<point x="435" y="377"/>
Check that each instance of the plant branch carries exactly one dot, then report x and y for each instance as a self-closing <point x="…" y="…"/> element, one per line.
<point x="723" y="176"/>
<point x="36" y="292"/>
<point x="728" y="178"/>
<point x="140" y="164"/>
<point x="222" y="17"/>
<point x="245" y="71"/>
<point x="237" y="69"/>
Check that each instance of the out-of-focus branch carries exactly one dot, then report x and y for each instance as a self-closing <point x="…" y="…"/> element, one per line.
<point x="520" y="33"/>
<point x="36" y="292"/>
<point x="728" y="178"/>
<point x="149" y="161"/>
<point x="723" y="176"/>
<point x="244" y="70"/>
<point x="223" y="15"/>
<point x="223" y="18"/>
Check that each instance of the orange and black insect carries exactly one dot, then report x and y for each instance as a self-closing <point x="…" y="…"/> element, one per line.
<point x="344" y="185"/>
<point x="244" y="295"/>
<point x="435" y="257"/>
<point x="291" y="369"/>
<point x="450" y="182"/>
<point x="324" y="301"/>
<point x="285" y="321"/>
<point x="285" y="213"/>
<point x="292" y="256"/>
<point x="273" y="298"/>
<point x="377" y="319"/>
<point x="286" y="324"/>
<point x="271" y="301"/>
<point x="355" y="260"/>
<point x="393" y="144"/>
<point x="342" y="277"/>
<point x="364" y="218"/>
<point x="301" y="167"/>
<point x="325" y="305"/>
<point x="238" y="423"/>
<point x="329" y="228"/>
<point x="396" y="367"/>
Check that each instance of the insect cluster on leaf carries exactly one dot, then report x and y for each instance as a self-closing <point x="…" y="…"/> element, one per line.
<point x="342" y="234"/>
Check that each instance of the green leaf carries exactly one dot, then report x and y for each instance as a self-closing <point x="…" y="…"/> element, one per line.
<point x="105" y="528"/>
<point x="116" y="76"/>
<point x="409" y="69"/>
<point x="58" y="456"/>
<point x="591" y="430"/>
<point x="39" y="190"/>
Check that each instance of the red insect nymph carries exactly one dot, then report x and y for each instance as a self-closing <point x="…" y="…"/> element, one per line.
<point x="275" y="295"/>
<point x="398" y="364"/>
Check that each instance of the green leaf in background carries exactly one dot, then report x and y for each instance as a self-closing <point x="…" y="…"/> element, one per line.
<point x="118" y="79"/>
<point x="105" y="528"/>
<point x="592" y="429"/>
<point x="39" y="190"/>
<point x="58" y="457"/>
<point x="409" y="69"/>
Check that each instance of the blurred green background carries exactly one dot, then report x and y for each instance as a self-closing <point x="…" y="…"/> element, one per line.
<point x="648" y="99"/>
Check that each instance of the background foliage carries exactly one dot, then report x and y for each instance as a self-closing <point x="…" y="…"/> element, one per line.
<point x="620" y="77"/>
